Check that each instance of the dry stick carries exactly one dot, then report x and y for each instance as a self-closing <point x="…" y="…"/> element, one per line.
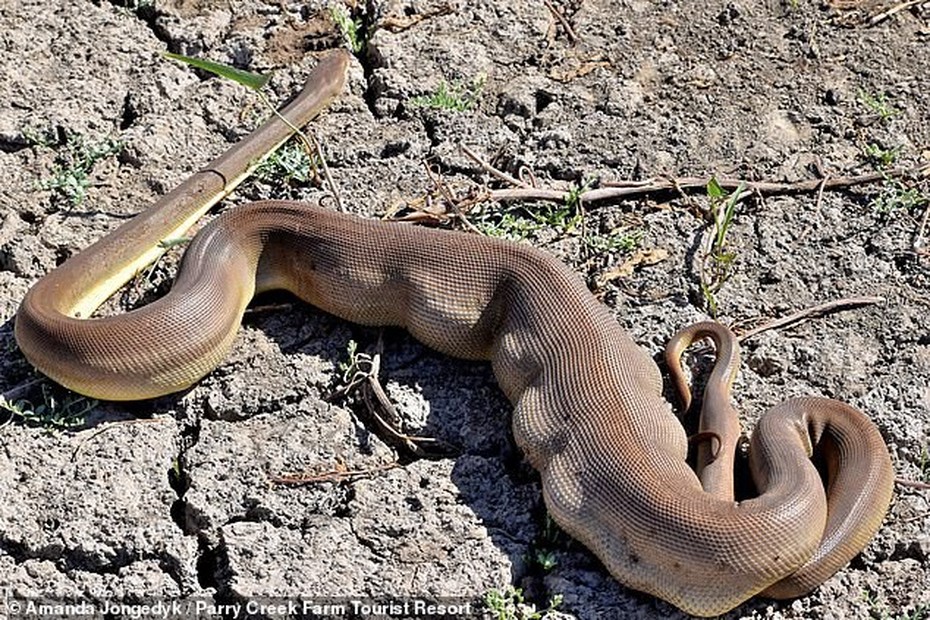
<point x="828" y="183"/>
<point x="568" y="27"/>
<point x="326" y="175"/>
<point x="626" y="189"/>
<point x="819" y="202"/>
<point x="500" y="175"/>
<point x="918" y="245"/>
<point x="812" y="312"/>
<point x="335" y="475"/>
<point x="880" y="17"/>
<point x="13" y="394"/>
<point x="377" y="401"/>
<point x="914" y="484"/>
<point x="443" y="189"/>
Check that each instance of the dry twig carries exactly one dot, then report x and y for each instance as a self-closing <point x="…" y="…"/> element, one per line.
<point x="918" y="245"/>
<point x="363" y="371"/>
<point x="561" y="19"/>
<point x="334" y="190"/>
<point x="902" y="6"/>
<point x="339" y="474"/>
<point x="613" y="190"/>
<point x="914" y="484"/>
<point x="810" y="313"/>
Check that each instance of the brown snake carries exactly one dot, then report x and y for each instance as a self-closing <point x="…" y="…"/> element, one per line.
<point x="588" y="409"/>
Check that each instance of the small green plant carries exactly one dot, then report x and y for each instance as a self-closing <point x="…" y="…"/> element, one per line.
<point x="895" y="196"/>
<point x="573" y="199"/>
<point x="456" y="98"/>
<point x="74" y="163"/>
<point x="509" y="224"/>
<point x="51" y="413"/>
<point x="878" y="608"/>
<point x="253" y="81"/>
<point x="717" y="260"/>
<point x="351" y="28"/>
<point x="881" y="157"/>
<point x="563" y="217"/>
<point x="509" y="604"/>
<point x="522" y="223"/>
<point x="879" y="105"/>
<point x="620" y="240"/>
<point x="546" y="559"/>
<point x="921" y="612"/>
<point x="290" y="162"/>
<point x="358" y="367"/>
<point x="545" y="548"/>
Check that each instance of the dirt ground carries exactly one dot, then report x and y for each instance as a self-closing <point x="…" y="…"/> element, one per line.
<point x="176" y="498"/>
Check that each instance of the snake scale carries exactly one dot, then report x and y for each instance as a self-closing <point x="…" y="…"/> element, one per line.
<point x="588" y="407"/>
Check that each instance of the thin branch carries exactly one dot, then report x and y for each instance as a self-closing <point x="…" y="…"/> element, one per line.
<point x="625" y="189"/>
<point x="500" y="175"/>
<point x="451" y="200"/>
<point x="810" y="313"/>
<point x="14" y="393"/>
<point x="339" y="474"/>
<point x="820" y="190"/>
<point x="880" y="17"/>
<point x="914" y="484"/>
<point x="532" y="193"/>
<point x="334" y="190"/>
<point x="918" y="244"/>
<point x="561" y="18"/>
<point x="827" y="183"/>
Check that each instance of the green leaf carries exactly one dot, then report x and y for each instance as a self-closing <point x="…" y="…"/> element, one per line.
<point x="255" y="81"/>
<point x="713" y="189"/>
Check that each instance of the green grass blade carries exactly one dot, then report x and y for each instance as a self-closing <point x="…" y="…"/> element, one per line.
<point x="255" y="81"/>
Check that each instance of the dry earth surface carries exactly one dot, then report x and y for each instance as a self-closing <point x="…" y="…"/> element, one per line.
<point x="176" y="498"/>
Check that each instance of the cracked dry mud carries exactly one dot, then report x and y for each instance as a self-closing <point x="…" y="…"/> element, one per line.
<point x="176" y="499"/>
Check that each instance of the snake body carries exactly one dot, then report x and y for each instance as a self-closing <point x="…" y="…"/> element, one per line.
<point x="588" y="409"/>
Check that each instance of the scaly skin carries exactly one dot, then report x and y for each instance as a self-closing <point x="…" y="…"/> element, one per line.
<point x="587" y="406"/>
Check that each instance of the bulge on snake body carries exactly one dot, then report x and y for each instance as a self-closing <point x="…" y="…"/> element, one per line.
<point x="587" y="406"/>
<point x="588" y="410"/>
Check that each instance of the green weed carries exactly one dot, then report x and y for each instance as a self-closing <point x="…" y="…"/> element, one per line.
<point x="509" y="604"/>
<point x="562" y="218"/>
<point x="509" y="224"/>
<point x="290" y="162"/>
<point x="879" y="105"/>
<point x="351" y="28"/>
<point x="74" y="163"/>
<point x="545" y="547"/>
<point x="620" y="240"/>
<point x="717" y="260"/>
<point x="523" y="222"/>
<point x="921" y="612"/>
<point x="895" y="196"/>
<point x="455" y="98"/>
<point x="881" y="157"/>
<point x="357" y="367"/>
<point x="878" y="608"/>
<point x="51" y="413"/>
